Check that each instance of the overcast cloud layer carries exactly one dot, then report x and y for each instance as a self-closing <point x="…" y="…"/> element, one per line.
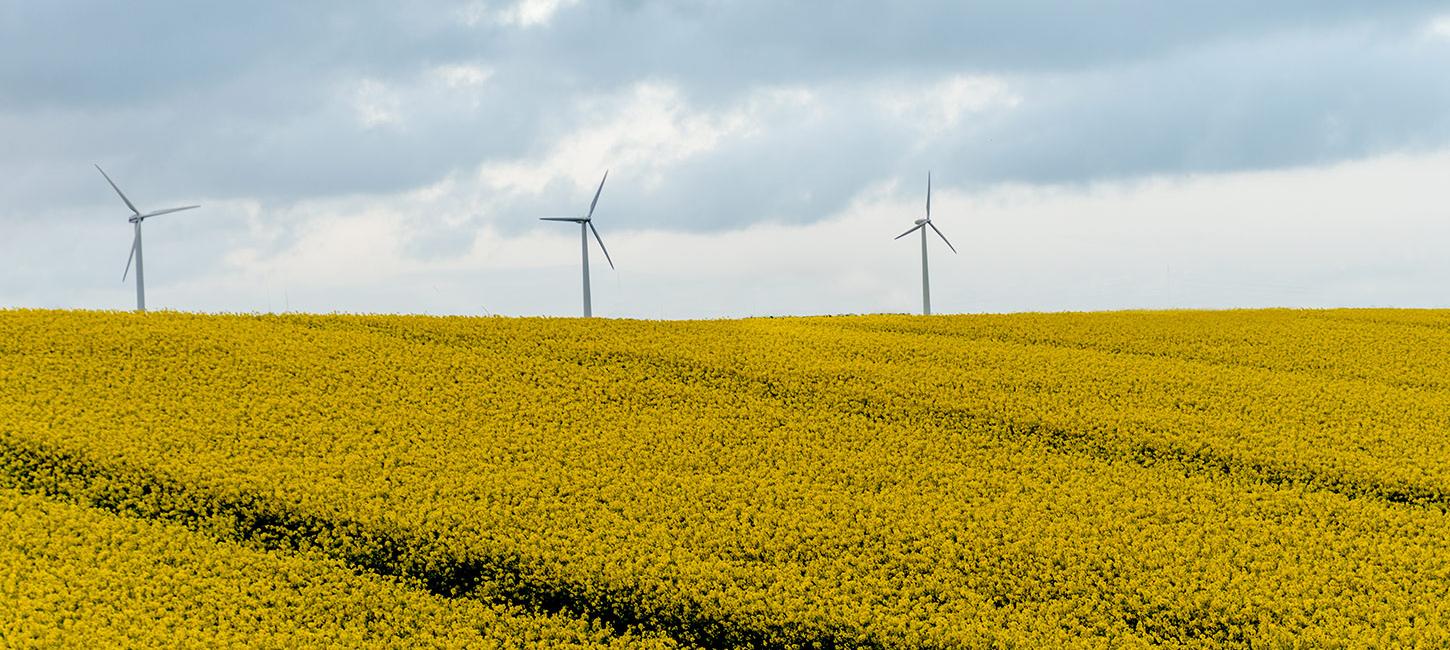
<point x="372" y="156"/>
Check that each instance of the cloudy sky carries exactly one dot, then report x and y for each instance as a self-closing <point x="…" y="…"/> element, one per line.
<point x="385" y="157"/>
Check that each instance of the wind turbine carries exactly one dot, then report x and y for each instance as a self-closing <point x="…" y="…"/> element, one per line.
<point x="136" y="219"/>
<point x="586" y="226"/>
<point x="922" y="224"/>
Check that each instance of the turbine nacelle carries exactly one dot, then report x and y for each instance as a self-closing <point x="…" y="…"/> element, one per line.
<point x="925" y="222"/>
<point x="142" y="217"/>
<point x="922" y="224"/>
<point x="136" y="218"/>
<point x="586" y="228"/>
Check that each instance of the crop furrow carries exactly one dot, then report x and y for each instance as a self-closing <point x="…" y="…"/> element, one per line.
<point x="1081" y="346"/>
<point x="129" y="491"/>
<point x="1134" y="448"/>
<point x="1148" y="454"/>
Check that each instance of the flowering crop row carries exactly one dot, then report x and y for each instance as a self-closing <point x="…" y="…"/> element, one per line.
<point x="1395" y="347"/>
<point x="72" y="576"/>
<point x="873" y="481"/>
<point x="1347" y="433"/>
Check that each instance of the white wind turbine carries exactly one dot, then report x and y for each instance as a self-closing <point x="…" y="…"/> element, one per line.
<point x="922" y="224"/>
<point x="586" y="226"/>
<point x="136" y="219"/>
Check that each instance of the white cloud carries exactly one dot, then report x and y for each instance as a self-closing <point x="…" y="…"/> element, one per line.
<point x="647" y="129"/>
<point x="375" y="104"/>
<point x="453" y="86"/>
<point x="460" y="75"/>
<point x="1439" y="27"/>
<point x="940" y="106"/>
<point x="529" y="13"/>
<point x="1357" y="234"/>
<point x="748" y="120"/>
<point x="522" y="13"/>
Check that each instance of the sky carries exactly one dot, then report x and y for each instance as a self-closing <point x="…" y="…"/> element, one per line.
<point x="388" y="157"/>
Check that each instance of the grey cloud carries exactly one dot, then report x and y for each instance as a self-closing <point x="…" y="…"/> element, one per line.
<point x="1291" y="100"/>
<point x="251" y="100"/>
<point x="1281" y="102"/>
<point x="713" y="44"/>
<point x="71" y="53"/>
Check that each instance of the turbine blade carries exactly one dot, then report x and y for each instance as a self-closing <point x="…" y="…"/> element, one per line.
<point x="118" y="190"/>
<point x="943" y="237"/>
<point x="596" y="195"/>
<point x="601" y="245"/>
<point x="168" y="211"/>
<point x="129" y="259"/>
<point x="569" y="219"/>
<point x="913" y="229"/>
<point x="928" y="197"/>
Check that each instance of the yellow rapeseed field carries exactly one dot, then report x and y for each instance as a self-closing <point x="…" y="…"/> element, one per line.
<point x="1256" y="478"/>
<point x="77" y="577"/>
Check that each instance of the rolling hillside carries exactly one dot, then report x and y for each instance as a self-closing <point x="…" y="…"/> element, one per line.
<point x="1115" y="479"/>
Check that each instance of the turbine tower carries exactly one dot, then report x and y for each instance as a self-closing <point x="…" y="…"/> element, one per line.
<point x="922" y="224"/>
<point x="136" y="219"/>
<point x="586" y="226"/>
